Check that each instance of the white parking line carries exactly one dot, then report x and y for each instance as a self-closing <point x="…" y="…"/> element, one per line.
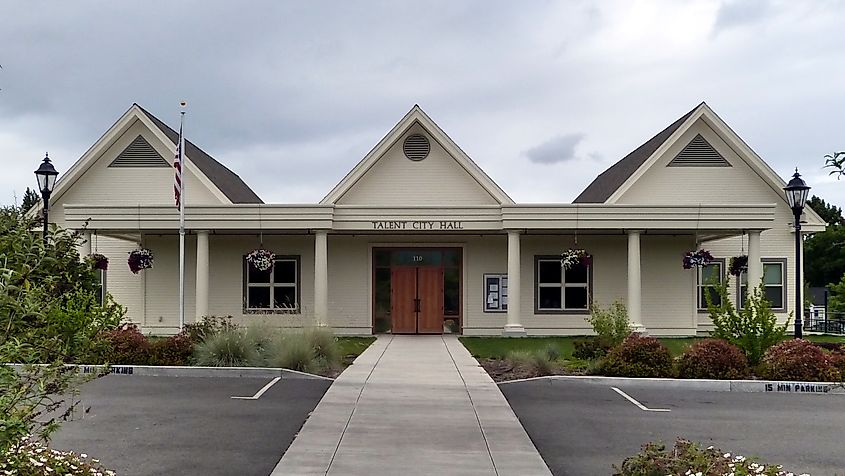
<point x="640" y="405"/>
<point x="260" y="392"/>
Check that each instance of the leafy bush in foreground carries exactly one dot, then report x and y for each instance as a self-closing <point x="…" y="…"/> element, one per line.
<point x="591" y="348"/>
<point x="207" y="326"/>
<point x="713" y="359"/>
<point x="638" y="356"/>
<point x="174" y="350"/>
<point x="688" y="458"/>
<point x="611" y="325"/>
<point x="753" y="329"/>
<point x="126" y="345"/>
<point x="30" y="458"/>
<point x="799" y="359"/>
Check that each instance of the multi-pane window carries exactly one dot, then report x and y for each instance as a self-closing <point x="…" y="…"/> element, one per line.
<point x="773" y="283"/>
<point x="709" y="276"/>
<point x="276" y="289"/>
<point x="495" y="292"/>
<point x="559" y="289"/>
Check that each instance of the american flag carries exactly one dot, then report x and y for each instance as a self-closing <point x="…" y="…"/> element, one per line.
<point x="177" y="164"/>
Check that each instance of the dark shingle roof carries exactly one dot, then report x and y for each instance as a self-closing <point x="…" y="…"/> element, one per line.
<point x="611" y="179"/>
<point x="227" y="181"/>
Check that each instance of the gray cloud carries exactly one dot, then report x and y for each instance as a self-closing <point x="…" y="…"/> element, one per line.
<point x="556" y="150"/>
<point x="736" y="13"/>
<point x="291" y="95"/>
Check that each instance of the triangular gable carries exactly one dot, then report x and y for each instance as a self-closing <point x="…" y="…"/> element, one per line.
<point x="139" y="153"/>
<point x="704" y="113"/>
<point x="416" y="122"/>
<point x="156" y="131"/>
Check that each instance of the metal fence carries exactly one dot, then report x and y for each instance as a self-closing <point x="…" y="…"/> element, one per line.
<point x="828" y="323"/>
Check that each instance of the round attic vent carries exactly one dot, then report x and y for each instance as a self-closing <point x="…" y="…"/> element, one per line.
<point x="416" y="147"/>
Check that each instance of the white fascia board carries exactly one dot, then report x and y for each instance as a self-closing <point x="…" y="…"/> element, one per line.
<point x="416" y="114"/>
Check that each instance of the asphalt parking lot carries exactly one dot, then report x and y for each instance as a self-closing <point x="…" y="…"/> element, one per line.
<point x="189" y="425"/>
<point x="584" y="428"/>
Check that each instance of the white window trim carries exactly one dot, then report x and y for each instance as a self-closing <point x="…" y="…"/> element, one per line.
<point x="562" y="286"/>
<point x="271" y="286"/>
<point x="780" y="261"/>
<point x="702" y="306"/>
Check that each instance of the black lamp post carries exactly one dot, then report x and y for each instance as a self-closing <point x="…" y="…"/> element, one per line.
<point x="796" y="195"/>
<point x="46" y="175"/>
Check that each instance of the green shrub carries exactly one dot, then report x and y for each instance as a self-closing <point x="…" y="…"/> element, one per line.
<point x="638" y="356"/>
<point x="611" y="324"/>
<point x="552" y="352"/>
<point x="713" y="359"/>
<point x="799" y="359"/>
<point x="688" y="458"/>
<point x="174" y="350"/>
<point x="31" y="458"/>
<point x="591" y="348"/>
<point x="207" y="326"/>
<point x="292" y="351"/>
<point x="753" y="329"/>
<point x="229" y="348"/>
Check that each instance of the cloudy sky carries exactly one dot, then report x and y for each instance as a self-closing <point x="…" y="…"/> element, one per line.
<point x="542" y="95"/>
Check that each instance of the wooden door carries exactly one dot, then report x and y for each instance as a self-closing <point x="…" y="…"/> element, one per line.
<point x="430" y="294"/>
<point x="403" y="293"/>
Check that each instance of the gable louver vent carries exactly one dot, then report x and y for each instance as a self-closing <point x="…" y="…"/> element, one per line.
<point x="699" y="153"/>
<point x="139" y="154"/>
<point x="416" y="147"/>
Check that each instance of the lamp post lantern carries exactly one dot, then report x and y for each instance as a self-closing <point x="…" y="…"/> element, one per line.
<point x="46" y="176"/>
<point x="796" y="195"/>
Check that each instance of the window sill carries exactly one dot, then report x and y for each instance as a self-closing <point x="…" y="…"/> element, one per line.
<point x="271" y="311"/>
<point x="561" y="311"/>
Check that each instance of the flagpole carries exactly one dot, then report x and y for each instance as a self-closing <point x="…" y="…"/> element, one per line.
<point x="182" y="221"/>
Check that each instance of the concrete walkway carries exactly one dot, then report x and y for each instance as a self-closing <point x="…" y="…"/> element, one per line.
<point x="413" y="405"/>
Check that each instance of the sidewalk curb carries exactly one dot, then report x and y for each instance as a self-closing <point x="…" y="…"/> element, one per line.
<point x="191" y="371"/>
<point x="745" y="386"/>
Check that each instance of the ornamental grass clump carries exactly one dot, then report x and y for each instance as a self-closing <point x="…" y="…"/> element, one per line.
<point x="690" y="459"/>
<point x="799" y="359"/>
<point x="229" y="348"/>
<point x="536" y="362"/>
<point x="638" y="356"/>
<point x="31" y="458"/>
<point x="294" y="352"/>
<point x="713" y="359"/>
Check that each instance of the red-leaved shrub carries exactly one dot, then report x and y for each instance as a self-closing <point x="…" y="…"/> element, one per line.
<point x="126" y="345"/>
<point x="174" y="350"/>
<point x="799" y="359"/>
<point x="638" y="356"/>
<point x="713" y="358"/>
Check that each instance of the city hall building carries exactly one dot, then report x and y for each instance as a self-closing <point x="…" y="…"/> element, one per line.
<point x="417" y="239"/>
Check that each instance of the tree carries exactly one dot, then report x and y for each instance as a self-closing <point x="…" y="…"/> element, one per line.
<point x="49" y="314"/>
<point x="30" y="199"/>
<point x="829" y="212"/>
<point x="836" y="161"/>
<point x="824" y="253"/>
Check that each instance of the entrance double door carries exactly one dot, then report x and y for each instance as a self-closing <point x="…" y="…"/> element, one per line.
<point x="416" y="304"/>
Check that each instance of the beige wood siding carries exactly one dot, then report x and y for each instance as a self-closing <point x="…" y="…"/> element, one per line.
<point x="126" y="288"/>
<point x="436" y="180"/>
<point x="102" y="184"/>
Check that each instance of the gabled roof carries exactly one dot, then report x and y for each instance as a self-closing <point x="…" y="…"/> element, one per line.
<point x="235" y="189"/>
<point x="603" y="186"/>
<point x="417" y="115"/>
<point x="615" y="181"/>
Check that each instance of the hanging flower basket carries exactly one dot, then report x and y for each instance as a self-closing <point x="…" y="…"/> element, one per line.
<point x="697" y="258"/>
<point x="139" y="259"/>
<point x="99" y="261"/>
<point x="261" y="259"/>
<point x="738" y="264"/>
<point x="573" y="257"/>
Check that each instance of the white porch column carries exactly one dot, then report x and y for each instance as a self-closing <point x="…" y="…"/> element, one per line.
<point x="202" y="275"/>
<point x="755" y="266"/>
<point x="85" y="248"/>
<point x="321" y="278"/>
<point x="635" y="282"/>
<point x="514" y="327"/>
